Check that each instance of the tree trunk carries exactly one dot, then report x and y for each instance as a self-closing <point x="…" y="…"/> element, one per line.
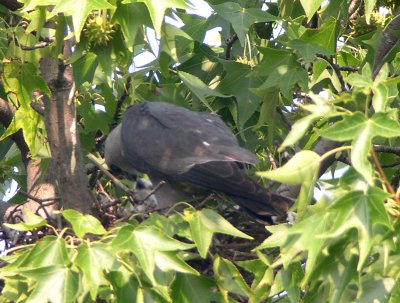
<point x="67" y="164"/>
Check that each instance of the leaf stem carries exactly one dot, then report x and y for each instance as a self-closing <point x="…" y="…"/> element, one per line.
<point x="334" y="151"/>
<point x="383" y="176"/>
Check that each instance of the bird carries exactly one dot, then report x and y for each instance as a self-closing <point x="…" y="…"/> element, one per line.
<point x="182" y="147"/>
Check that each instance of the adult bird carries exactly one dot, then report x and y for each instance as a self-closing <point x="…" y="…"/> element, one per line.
<point x="179" y="146"/>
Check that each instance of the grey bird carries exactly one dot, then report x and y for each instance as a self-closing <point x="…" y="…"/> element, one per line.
<point x="179" y="146"/>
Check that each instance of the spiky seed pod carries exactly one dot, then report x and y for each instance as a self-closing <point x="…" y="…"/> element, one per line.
<point x="99" y="31"/>
<point x="360" y="26"/>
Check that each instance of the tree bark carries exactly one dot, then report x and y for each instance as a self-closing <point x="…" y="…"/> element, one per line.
<point x="60" y="121"/>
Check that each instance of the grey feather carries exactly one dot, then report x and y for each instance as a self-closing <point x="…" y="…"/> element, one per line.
<point x="178" y="145"/>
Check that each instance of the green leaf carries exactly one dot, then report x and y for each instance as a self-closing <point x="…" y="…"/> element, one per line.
<point x="22" y="80"/>
<point x="170" y="41"/>
<point x="157" y="10"/>
<point x="204" y="223"/>
<point x="131" y="17"/>
<point x="55" y="283"/>
<point x="291" y="278"/>
<point x="376" y="290"/>
<point x="199" y="88"/>
<point x="145" y="242"/>
<point x="380" y="97"/>
<point x="308" y="50"/>
<point x="304" y="236"/>
<point x="50" y="250"/>
<point x="228" y="278"/>
<point x="84" y="69"/>
<point x="195" y="26"/>
<point x="241" y="18"/>
<point x="298" y="130"/>
<point x="87" y="260"/>
<point x="362" y="211"/>
<point x="170" y="261"/>
<point x="31" y="221"/>
<point x="31" y="5"/>
<point x="79" y="13"/>
<point x="263" y="278"/>
<point x="239" y="82"/>
<point x="310" y="7"/>
<point x="286" y="76"/>
<point x="362" y="81"/>
<point x="361" y="130"/>
<point x="326" y="35"/>
<point x="126" y="286"/>
<point x="83" y="224"/>
<point x="186" y="289"/>
<point x="369" y="7"/>
<point x="300" y="168"/>
<point x="31" y="123"/>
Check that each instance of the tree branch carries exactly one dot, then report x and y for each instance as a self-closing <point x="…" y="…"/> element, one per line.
<point x="229" y="45"/>
<point x="33" y="47"/>
<point x="12" y="4"/>
<point x="387" y="42"/>
<point x="337" y="70"/>
<point x="387" y="149"/>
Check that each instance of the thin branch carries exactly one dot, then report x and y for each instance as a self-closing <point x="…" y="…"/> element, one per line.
<point x="229" y="45"/>
<point x="153" y="191"/>
<point x="36" y="46"/>
<point x="38" y="108"/>
<point x="284" y="118"/>
<point x="122" y="99"/>
<point x="347" y="68"/>
<point x="383" y="176"/>
<point x="394" y="164"/>
<point x="336" y="68"/>
<point x="387" y="149"/>
<point x="110" y="176"/>
<point x="301" y="95"/>
<point x="38" y="200"/>
<point x="12" y="5"/>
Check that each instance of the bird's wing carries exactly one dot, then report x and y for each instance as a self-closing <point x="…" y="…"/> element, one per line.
<point x="160" y="138"/>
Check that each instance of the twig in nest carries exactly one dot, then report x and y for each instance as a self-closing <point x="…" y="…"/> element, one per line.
<point x="153" y="191"/>
<point x="205" y="200"/>
<point x="115" y="180"/>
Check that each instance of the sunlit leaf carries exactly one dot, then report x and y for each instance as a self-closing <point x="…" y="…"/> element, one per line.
<point x="83" y="224"/>
<point x="157" y="10"/>
<point x="204" y="223"/>
<point x="54" y="283"/>
<point x="228" y="277"/>
<point x="362" y="211"/>
<point x="310" y="7"/>
<point x="31" y="222"/>
<point x="300" y="168"/>
<point x="198" y="87"/>
<point x="87" y="260"/>
<point x="361" y="130"/>
<point x="186" y="289"/>
<point x="146" y="242"/>
<point x="79" y="13"/>
<point x="241" y="18"/>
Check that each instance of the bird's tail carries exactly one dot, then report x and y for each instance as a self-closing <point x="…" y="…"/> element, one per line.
<point x="264" y="205"/>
